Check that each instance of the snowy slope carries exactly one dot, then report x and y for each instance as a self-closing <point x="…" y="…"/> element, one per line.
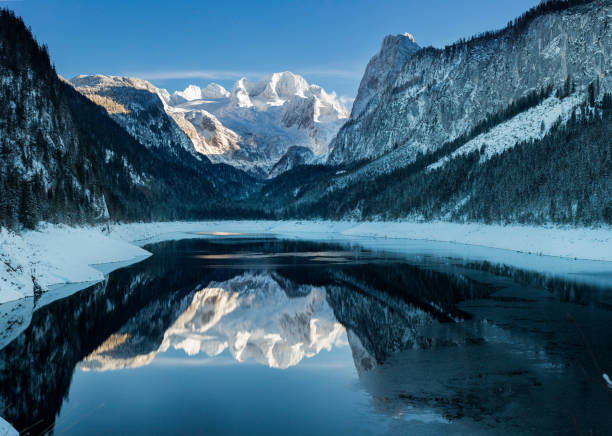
<point x="6" y="429"/>
<point x="532" y="124"/>
<point x="55" y="255"/>
<point x="251" y="127"/>
<point x="138" y="107"/>
<point x="254" y="125"/>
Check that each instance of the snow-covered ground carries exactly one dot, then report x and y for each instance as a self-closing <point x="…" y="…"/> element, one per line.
<point x="6" y="429"/>
<point x="56" y="255"/>
<point x="534" y="123"/>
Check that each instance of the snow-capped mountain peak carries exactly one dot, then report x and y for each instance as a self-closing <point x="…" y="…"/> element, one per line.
<point x="240" y="93"/>
<point x="261" y="120"/>
<point x="251" y="127"/>
<point x="212" y="91"/>
<point x="271" y="90"/>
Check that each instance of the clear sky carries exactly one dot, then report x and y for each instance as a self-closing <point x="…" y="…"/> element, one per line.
<point x="174" y="43"/>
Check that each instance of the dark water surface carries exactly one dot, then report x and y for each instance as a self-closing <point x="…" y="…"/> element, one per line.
<point x="251" y="335"/>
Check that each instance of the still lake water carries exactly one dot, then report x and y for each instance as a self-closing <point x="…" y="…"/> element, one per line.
<point x="256" y="335"/>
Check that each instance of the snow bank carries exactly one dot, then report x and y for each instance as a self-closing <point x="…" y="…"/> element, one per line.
<point x="580" y="243"/>
<point x="55" y="255"/>
<point x="6" y="429"/>
<point x="569" y="242"/>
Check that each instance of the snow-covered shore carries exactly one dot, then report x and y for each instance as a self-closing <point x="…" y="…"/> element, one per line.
<point x="59" y="254"/>
<point x="55" y="255"/>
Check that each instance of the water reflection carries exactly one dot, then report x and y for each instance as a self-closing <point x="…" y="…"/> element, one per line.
<point x="439" y="347"/>
<point x="252" y="315"/>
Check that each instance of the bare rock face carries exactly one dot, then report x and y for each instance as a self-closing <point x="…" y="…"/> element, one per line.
<point x="439" y="94"/>
<point x="383" y="69"/>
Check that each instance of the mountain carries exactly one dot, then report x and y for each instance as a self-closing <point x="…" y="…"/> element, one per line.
<point x="383" y="69"/>
<point x="138" y="107"/>
<point x="255" y="124"/>
<point x="441" y="94"/>
<point x="212" y="91"/>
<point x="508" y="126"/>
<point x="250" y="128"/>
<point x="294" y="157"/>
<point x="64" y="159"/>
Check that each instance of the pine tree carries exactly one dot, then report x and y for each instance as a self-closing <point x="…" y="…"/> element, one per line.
<point x="28" y="208"/>
<point x="592" y="94"/>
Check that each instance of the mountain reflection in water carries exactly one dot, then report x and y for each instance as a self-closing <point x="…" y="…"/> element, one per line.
<point x="439" y="347"/>
<point x="251" y="315"/>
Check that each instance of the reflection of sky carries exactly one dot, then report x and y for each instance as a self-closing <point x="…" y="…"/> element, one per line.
<point x="170" y="396"/>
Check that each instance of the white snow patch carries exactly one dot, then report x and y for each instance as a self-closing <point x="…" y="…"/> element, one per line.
<point x="608" y="381"/>
<point x="6" y="429"/>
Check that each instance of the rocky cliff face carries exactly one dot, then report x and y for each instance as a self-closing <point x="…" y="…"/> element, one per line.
<point x="439" y="95"/>
<point x="383" y="69"/>
<point x="294" y="157"/>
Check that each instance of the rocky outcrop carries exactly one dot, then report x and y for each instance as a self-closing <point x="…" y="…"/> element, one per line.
<point x="383" y="69"/>
<point x="294" y="157"/>
<point x="138" y="107"/>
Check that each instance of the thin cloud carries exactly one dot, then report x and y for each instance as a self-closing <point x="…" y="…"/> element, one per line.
<point x="232" y="74"/>
<point x="346" y="100"/>
<point x="196" y="74"/>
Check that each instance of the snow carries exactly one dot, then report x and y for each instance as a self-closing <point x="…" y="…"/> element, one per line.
<point x="607" y="380"/>
<point x="55" y="255"/>
<point x="252" y="127"/>
<point x="526" y="126"/>
<point x="6" y="429"/>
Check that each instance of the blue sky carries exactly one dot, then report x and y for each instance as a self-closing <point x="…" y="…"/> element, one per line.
<point x="174" y="43"/>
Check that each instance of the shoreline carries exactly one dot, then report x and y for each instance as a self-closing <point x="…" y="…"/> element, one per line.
<point x="59" y="255"/>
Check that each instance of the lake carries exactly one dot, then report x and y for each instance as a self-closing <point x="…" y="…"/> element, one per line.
<point x="245" y="334"/>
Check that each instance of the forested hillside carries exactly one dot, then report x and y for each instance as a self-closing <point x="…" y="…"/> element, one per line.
<point x="535" y="149"/>
<point x="65" y="160"/>
<point x="565" y="178"/>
